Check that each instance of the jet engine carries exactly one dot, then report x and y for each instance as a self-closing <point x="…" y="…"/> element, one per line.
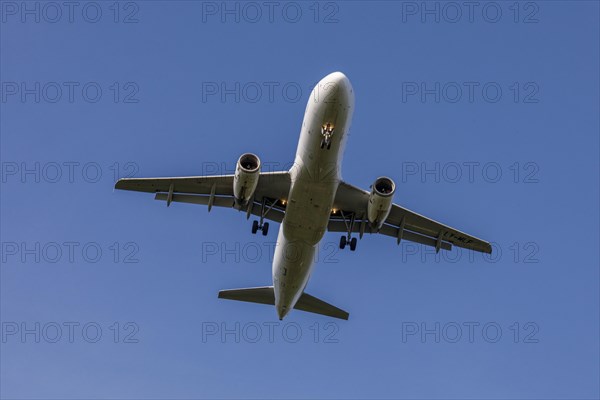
<point x="380" y="201"/>
<point x="245" y="179"/>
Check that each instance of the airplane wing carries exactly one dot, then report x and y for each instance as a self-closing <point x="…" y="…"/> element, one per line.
<point x="401" y="223"/>
<point x="216" y="191"/>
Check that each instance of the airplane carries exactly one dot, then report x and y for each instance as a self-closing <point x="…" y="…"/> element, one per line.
<point x="308" y="200"/>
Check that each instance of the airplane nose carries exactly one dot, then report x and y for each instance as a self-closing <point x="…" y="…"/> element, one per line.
<point x="337" y="80"/>
<point x="336" y="86"/>
<point x="337" y="77"/>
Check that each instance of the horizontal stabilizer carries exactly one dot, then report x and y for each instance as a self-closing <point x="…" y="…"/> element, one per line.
<point x="265" y="295"/>
<point x="311" y="304"/>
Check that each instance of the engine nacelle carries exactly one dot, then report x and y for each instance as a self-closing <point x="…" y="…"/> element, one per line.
<point x="380" y="201"/>
<point x="245" y="179"/>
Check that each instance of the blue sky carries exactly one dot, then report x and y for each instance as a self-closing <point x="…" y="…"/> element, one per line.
<point x="486" y="118"/>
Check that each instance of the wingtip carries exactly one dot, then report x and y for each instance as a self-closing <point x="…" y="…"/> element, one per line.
<point x="488" y="249"/>
<point x="120" y="184"/>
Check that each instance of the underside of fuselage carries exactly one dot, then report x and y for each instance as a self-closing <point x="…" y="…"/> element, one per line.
<point x="315" y="176"/>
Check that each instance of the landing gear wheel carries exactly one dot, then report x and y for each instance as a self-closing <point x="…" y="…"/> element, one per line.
<point x="265" y="228"/>
<point x="322" y="143"/>
<point x="328" y="145"/>
<point x="352" y="244"/>
<point x="254" y="227"/>
<point x="342" y="242"/>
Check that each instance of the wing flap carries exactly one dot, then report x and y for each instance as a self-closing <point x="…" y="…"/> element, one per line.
<point x="218" y="201"/>
<point x="389" y="230"/>
<point x="274" y="214"/>
<point x="392" y="231"/>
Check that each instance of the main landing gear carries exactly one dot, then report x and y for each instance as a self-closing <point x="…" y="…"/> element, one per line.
<point x="327" y="133"/>
<point x="344" y="241"/>
<point x="348" y="239"/>
<point x="264" y="227"/>
<point x="265" y="207"/>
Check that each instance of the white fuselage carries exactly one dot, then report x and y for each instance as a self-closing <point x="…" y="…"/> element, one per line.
<point x="315" y="177"/>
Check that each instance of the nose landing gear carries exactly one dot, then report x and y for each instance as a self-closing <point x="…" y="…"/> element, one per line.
<point x="327" y="133"/>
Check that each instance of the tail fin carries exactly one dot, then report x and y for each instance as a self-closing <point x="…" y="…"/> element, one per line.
<point x="266" y="295"/>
